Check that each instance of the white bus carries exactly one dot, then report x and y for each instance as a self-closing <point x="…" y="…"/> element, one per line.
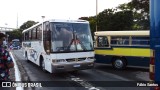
<point x="59" y="45"/>
<point x="122" y="48"/>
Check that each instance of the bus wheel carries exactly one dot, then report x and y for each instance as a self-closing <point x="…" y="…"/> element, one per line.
<point x="43" y="65"/>
<point x="119" y="63"/>
<point x="26" y="57"/>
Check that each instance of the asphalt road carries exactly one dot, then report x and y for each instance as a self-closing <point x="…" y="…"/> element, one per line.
<point x="101" y="77"/>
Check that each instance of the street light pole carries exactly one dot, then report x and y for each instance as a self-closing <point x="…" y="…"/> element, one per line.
<point x="17" y="20"/>
<point x="96" y="14"/>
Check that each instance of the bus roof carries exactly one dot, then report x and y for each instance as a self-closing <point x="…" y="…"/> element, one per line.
<point x="122" y="33"/>
<point x="57" y="20"/>
<point x="70" y="21"/>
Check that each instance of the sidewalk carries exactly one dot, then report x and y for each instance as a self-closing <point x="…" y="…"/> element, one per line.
<point x="18" y="73"/>
<point x="12" y="77"/>
<point x="14" y="73"/>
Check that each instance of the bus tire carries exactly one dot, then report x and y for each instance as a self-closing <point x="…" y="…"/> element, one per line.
<point x="26" y="57"/>
<point x="119" y="63"/>
<point x="42" y="64"/>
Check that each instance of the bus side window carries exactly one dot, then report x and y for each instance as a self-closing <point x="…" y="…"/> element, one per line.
<point x="120" y="40"/>
<point x="143" y="40"/>
<point x="102" y="41"/>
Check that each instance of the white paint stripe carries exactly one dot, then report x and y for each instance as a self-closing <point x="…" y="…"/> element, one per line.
<point x="84" y="84"/>
<point x="17" y="73"/>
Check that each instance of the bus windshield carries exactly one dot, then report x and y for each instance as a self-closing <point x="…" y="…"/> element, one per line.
<point x="67" y="37"/>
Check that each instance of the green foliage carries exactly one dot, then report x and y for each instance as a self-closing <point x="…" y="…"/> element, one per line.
<point x="104" y="19"/>
<point x="140" y="10"/>
<point x="128" y="16"/>
<point x="109" y="19"/>
<point x="124" y="7"/>
<point x="142" y="5"/>
<point x="27" y="25"/>
<point x="92" y="21"/>
<point x="122" y="20"/>
<point x="17" y="33"/>
<point x="114" y="21"/>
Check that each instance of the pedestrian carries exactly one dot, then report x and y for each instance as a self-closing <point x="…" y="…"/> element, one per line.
<point x="5" y="62"/>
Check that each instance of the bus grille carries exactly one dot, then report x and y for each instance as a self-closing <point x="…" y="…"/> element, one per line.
<point x="75" y="59"/>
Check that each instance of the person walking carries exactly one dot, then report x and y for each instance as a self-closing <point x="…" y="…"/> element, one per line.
<point x="5" y="62"/>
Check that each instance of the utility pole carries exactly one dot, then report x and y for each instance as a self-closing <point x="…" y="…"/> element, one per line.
<point x="96" y="15"/>
<point x="17" y="20"/>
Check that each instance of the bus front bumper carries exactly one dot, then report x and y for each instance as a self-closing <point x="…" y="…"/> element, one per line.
<point x="56" y="68"/>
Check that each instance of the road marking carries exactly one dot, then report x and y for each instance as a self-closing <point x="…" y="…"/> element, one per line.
<point x="88" y="85"/>
<point x="83" y="83"/>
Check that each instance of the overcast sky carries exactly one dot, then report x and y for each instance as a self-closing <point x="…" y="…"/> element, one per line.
<point x="51" y="9"/>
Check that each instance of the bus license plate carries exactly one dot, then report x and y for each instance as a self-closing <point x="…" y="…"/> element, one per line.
<point x="77" y="65"/>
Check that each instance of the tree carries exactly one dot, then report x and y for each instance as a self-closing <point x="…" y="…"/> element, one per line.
<point x="122" y="20"/>
<point x="104" y="19"/>
<point x="27" y="25"/>
<point x="15" y="34"/>
<point x="128" y="16"/>
<point x="140" y="10"/>
<point x="142" y="5"/>
<point x="112" y="20"/>
<point x="92" y="21"/>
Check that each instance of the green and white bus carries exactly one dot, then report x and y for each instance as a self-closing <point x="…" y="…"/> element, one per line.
<point x="122" y="48"/>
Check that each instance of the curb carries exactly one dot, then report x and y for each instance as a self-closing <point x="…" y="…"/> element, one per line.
<point x="17" y="73"/>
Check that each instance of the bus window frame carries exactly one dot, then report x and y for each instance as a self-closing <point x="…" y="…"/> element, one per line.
<point x="120" y="40"/>
<point x="46" y="38"/>
<point x="104" y="46"/>
<point x="140" y="40"/>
